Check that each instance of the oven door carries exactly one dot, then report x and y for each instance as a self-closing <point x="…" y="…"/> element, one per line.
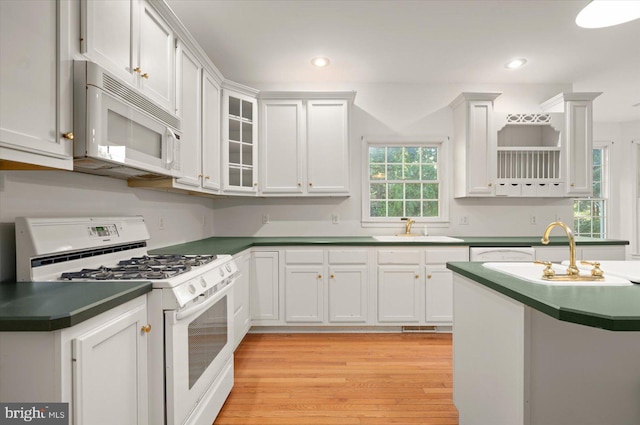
<point x="199" y="342"/>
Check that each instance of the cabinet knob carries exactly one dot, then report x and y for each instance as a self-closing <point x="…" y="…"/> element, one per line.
<point x="68" y="136"/>
<point x="200" y="175"/>
<point x="573" y="184"/>
<point x="137" y="69"/>
<point x="145" y="76"/>
<point x="332" y="277"/>
<point x="428" y="276"/>
<point x="299" y="184"/>
<point x="417" y="276"/>
<point x="310" y="184"/>
<point x="207" y="177"/>
<point x="146" y="328"/>
<point x="256" y="184"/>
<point x="490" y="184"/>
<point x="319" y="276"/>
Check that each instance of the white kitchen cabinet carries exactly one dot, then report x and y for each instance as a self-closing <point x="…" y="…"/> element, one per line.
<point x="474" y="144"/>
<point x="99" y="367"/>
<point x="577" y="139"/>
<point x="304" y="293"/>
<point x="348" y="299"/>
<point x="36" y="83"/>
<point x="130" y="39"/>
<point x="264" y="291"/>
<point x="240" y="139"/>
<point x="439" y="283"/>
<point x="400" y="286"/>
<point x="242" y="313"/>
<point x="304" y="143"/>
<point x="188" y="108"/>
<point x="210" y="133"/>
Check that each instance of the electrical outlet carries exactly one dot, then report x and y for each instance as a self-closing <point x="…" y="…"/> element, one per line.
<point x="161" y="223"/>
<point x="335" y="219"/>
<point x="265" y="218"/>
<point x="533" y="220"/>
<point x="464" y="220"/>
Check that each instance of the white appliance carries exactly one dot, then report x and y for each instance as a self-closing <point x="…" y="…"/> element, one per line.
<point x="502" y="254"/>
<point x="118" y="131"/>
<point x="191" y="360"/>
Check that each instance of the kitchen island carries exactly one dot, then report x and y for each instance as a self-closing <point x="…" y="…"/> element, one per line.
<point x="535" y="354"/>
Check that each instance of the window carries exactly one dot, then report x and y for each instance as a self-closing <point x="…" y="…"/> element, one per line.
<point x="590" y="214"/>
<point x="404" y="180"/>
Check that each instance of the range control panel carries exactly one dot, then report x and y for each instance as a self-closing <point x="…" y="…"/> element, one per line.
<point x="102" y="231"/>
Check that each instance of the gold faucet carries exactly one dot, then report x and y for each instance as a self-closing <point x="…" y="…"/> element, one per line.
<point x="407" y="230"/>
<point x="572" y="270"/>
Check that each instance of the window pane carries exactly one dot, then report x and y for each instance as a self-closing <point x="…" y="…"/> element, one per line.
<point x="429" y="172"/>
<point x="376" y="172"/>
<point x="395" y="209"/>
<point x="430" y="191"/>
<point x="597" y="189"/>
<point x="597" y="174"/>
<point x="396" y="191"/>
<point x="378" y="191"/>
<point x="413" y="208"/>
<point x="412" y="155"/>
<point x="412" y="172"/>
<point x="376" y="155"/>
<point x="394" y="172"/>
<point x="378" y="209"/>
<point x="394" y="155"/>
<point x="412" y="191"/>
<point x="597" y="156"/>
<point x="430" y="208"/>
<point x="430" y="155"/>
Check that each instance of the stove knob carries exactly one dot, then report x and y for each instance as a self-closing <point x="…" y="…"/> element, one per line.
<point x="203" y="282"/>
<point x="228" y="267"/>
<point x="192" y="289"/>
<point x="221" y="272"/>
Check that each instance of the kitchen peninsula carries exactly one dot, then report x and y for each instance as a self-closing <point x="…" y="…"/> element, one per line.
<point x="529" y="353"/>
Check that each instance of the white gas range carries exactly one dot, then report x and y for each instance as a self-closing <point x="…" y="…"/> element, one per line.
<point x="191" y="360"/>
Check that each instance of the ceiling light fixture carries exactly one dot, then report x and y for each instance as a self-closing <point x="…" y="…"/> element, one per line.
<point x="320" y="62"/>
<point x="607" y="13"/>
<point x="515" y="63"/>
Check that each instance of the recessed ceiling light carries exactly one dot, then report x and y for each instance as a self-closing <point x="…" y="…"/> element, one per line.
<point x="320" y="62"/>
<point x="515" y="63"/>
<point x="607" y="13"/>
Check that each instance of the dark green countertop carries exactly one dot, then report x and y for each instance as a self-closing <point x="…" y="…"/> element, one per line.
<point x="615" y="308"/>
<point x="48" y="306"/>
<point x="233" y="245"/>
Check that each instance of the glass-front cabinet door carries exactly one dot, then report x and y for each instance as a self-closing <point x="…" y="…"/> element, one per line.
<point x="240" y="142"/>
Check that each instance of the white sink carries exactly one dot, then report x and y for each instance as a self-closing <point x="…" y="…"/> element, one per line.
<point x="417" y="238"/>
<point x="533" y="273"/>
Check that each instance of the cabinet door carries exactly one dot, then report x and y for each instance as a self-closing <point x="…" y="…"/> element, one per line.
<point x="156" y="57"/>
<point x="579" y="144"/>
<point x="264" y="286"/>
<point x="109" y="35"/>
<point x="240" y="142"/>
<point x="281" y="144"/>
<point x="242" y="316"/>
<point x="481" y="148"/>
<point x="328" y="146"/>
<point x="399" y="296"/>
<point x="210" y="132"/>
<point x="348" y="294"/>
<point x="304" y="294"/>
<point x="110" y="372"/>
<point x="439" y="295"/>
<point x="188" y="108"/>
<point x="35" y="81"/>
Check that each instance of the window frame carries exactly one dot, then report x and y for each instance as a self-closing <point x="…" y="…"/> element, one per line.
<point x="444" y="179"/>
<point x="605" y="190"/>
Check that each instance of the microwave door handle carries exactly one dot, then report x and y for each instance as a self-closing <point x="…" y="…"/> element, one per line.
<point x="171" y="140"/>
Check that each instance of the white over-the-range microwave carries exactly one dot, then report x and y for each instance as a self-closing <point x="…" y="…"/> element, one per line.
<point x="118" y="131"/>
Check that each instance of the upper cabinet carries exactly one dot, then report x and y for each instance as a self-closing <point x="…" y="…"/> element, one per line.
<point x="239" y="139"/>
<point x="131" y="39"/>
<point x="533" y="155"/>
<point x="36" y="85"/>
<point x="304" y="143"/>
<point x="474" y="144"/>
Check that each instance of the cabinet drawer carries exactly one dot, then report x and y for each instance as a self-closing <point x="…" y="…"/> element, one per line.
<point x="442" y="255"/>
<point x="347" y="257"/>
<point x="399" y="257"/>
<point x="299" y="256"/>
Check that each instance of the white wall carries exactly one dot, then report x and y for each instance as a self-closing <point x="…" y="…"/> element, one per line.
<point x="408" y="110"/>
<point x="66" y="194"/>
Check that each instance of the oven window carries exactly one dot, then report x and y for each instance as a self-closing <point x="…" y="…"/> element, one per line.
<point x="207" y="337"/>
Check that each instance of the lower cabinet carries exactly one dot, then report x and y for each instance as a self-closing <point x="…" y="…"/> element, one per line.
<point x="99" y="367"/>
<point x="242" y="314"/>
<point x="264" y="290"/>
<point x="348" y="293"/>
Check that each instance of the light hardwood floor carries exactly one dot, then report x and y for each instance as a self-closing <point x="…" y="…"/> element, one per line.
<point x="342" y="379"/>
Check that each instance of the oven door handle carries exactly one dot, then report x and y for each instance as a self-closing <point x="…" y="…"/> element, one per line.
<point x="190" y="311"/>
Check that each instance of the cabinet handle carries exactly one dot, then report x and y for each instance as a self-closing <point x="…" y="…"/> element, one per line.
<point x="207" y="177"/>
<point x="68" y="136"/>
<point x="137" y="69"/>
<point x="200" y="175"/>
<point x="145" y="76"/>
<point x="146" y="328"/>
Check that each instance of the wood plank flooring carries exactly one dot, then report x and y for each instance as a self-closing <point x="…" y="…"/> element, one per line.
<point x="342" y="379"/>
